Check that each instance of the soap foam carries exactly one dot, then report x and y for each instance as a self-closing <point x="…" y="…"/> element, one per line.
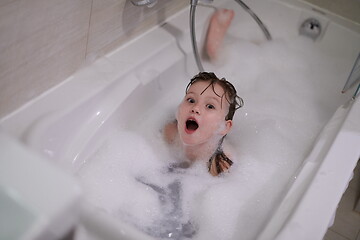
<point x="280" y="83"/>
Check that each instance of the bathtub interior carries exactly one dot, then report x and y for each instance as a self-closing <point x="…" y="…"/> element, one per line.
<point x="132" y="96"/>
<point x="144" y="103"/>
<point x="148" y="100"/>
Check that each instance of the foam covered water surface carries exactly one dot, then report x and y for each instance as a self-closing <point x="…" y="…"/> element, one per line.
<point x="290" y="90"/>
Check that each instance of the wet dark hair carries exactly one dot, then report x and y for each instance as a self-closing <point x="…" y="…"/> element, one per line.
<point x="230" y="93"/>
<point x="219" y="162"/>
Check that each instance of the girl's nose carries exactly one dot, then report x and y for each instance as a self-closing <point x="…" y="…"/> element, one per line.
<point x="195" y="109"/>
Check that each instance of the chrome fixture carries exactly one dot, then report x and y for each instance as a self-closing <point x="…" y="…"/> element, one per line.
<point x="193" y="4"/>
<point x="256" y="18"/>
<point x="354" y="77"/>
<point x="148" y="3"/>
<point x="356" y="93"/>
<point x="311" y="28"/>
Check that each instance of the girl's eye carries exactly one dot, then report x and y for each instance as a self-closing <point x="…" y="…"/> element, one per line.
<point x="190" y="100"/>
<point x="210" y="106"/>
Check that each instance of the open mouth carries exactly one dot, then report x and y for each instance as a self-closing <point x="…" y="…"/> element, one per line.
<point x="191" y="125"/>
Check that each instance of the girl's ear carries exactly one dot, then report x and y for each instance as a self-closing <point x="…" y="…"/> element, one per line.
<point x="228" y="126"/>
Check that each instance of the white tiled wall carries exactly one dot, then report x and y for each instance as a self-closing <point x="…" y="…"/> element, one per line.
<point x="44" y="41"/>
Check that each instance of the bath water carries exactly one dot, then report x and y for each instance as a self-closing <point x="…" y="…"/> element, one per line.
<point x="284" y="86"/>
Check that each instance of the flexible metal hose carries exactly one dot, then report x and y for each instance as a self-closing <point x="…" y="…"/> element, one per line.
<point x="193" y="36"/>
<point x="256" y="18"/>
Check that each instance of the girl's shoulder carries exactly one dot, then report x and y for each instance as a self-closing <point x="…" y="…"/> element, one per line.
<point x="170" y="132"/>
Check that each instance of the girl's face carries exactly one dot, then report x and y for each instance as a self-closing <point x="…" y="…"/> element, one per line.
<point x="201" y="115"/>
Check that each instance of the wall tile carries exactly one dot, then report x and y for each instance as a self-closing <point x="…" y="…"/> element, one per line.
<point x="41" y="43"/>
<point x="115" y="22"/>
<point x="5" y="2"/>
<point x="44" y="41"/>
<point x="9" y="24"/>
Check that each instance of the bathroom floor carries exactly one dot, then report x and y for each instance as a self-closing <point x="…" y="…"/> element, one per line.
<point x="347" y="219"/>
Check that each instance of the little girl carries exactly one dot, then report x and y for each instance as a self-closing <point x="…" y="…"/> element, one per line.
<point x="203" y="119"/>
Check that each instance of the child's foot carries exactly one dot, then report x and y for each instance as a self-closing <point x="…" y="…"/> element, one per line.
<point x="219" y="23"/>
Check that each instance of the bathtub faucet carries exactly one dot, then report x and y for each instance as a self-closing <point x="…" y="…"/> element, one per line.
<point x="193" y="4"/>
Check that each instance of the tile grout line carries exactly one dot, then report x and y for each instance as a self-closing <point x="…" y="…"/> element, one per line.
<point x="88" y="32"/>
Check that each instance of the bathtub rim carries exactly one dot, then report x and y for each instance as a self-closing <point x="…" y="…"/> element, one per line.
<point x="308" y="207"/>
<point x="340" y="20"/>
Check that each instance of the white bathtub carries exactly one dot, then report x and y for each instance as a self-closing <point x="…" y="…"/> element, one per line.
<point x="68" y="122"/>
